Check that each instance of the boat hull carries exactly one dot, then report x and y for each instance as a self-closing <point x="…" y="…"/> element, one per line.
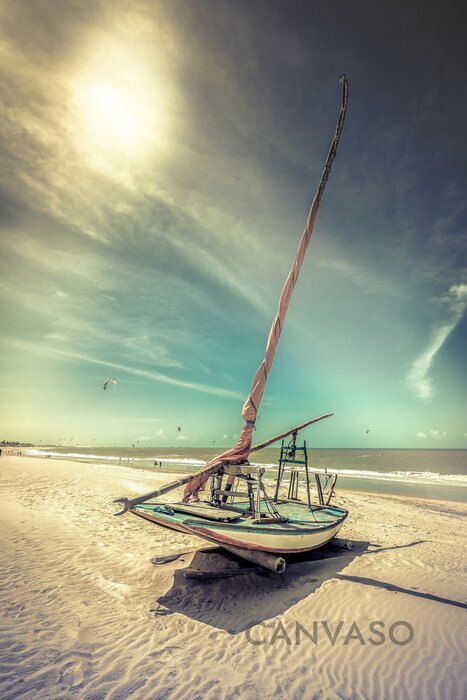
<point x="306" y="531"/>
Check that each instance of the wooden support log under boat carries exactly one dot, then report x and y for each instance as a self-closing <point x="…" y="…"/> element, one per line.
<point x="341" y="543"/>
<point x="221" y="573"/>
<point x="264" y="559"/>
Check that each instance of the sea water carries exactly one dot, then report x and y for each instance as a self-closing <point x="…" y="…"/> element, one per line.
<point x="439" y="474"/>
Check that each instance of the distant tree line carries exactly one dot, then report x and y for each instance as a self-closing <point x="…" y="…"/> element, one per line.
<point x="12" y="443"/>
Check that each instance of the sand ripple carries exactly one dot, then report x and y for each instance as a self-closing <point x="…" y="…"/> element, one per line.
<point x="84" y="614"/>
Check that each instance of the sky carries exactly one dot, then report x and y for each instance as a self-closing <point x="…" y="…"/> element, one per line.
<point x="158" y="163"/>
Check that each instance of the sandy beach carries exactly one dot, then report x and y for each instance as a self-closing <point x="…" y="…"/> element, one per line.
<point x="86" y="614"/>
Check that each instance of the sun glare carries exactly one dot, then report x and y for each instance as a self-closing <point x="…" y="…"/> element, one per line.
<point x="119" y="107"/>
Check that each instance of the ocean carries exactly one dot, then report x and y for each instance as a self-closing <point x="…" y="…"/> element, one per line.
<point x="438" y="474"/>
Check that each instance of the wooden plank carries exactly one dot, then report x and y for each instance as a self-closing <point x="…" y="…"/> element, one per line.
<point x="223" y="492"/>
<point x="203" y="511"/>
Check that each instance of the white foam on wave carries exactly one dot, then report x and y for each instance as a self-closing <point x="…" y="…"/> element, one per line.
<point x="64" y="455"/>
<point x="407" y="477"/>
<point x="461" y="479"/>
<point x="414" y="477"/>
<point x="113" y="458"/>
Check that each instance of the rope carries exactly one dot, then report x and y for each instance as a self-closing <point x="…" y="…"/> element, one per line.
<point x="164" y="509"/>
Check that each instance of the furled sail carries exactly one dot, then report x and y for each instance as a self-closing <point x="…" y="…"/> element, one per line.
<point x="240" y="452"/>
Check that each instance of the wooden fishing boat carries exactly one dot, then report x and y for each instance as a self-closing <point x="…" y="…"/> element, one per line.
<point x="239" y="514"/>
<point x="297" y="529"/>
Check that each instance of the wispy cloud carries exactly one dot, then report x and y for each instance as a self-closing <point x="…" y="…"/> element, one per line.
<point x="418" y="379"/>
<point x="344" y="267"/>
<point x="154" y="185"/>
<point x="147" y="374"/>
<point x="93" y="191"/>
<point x="421" y="435"/>
<point x="129" y="419"/>
<point x="359" y="275"/>
<point x="159" y="434"/>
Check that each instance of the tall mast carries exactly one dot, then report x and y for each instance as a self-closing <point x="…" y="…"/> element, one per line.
<point x="240" y="452"/>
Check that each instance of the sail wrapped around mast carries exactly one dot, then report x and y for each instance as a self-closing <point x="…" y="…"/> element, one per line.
<point x="240" y="452"/>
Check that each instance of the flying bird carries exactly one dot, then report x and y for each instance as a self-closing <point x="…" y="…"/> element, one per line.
<point x="368" y="430"/>
<point x="111" y="380"/>
<point x="179" y="428"/>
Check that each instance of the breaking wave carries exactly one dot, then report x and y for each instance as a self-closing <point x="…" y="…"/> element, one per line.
<point x="113" y="458"/>
<point x="405" y="476"/>
<point x="187" y="463"/>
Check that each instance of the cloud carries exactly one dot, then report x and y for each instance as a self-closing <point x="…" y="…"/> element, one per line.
<point x="454" y="303"/>
<point x="438" y="435"/>
<point x="183" y="438"/>
<point x="90" y="185"/>
<point x="147" y="374"/>
<point x="359" y="276"/>
<point x="159" y="434"/>
<point x="169" y="242"/>
<point x="224" y="437"/>
<point x="129" y="419"/>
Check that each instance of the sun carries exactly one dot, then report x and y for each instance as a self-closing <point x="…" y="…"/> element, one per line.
<point x="118" y="107"/>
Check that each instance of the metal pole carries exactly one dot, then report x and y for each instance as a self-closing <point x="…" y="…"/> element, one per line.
<point x="320" y="490"/>
<point x="279" y="473"/>
<point x="259" y="474"/>
<point x="305" y="454"/>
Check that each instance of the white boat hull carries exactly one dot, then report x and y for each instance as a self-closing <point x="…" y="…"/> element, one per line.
<point x="301" y="535"/>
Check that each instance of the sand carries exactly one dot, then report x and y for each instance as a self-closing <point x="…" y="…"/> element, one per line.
<point x="85" y="614"/>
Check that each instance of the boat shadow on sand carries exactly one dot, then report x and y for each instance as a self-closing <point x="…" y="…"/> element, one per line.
<point x="235" y="602"/>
